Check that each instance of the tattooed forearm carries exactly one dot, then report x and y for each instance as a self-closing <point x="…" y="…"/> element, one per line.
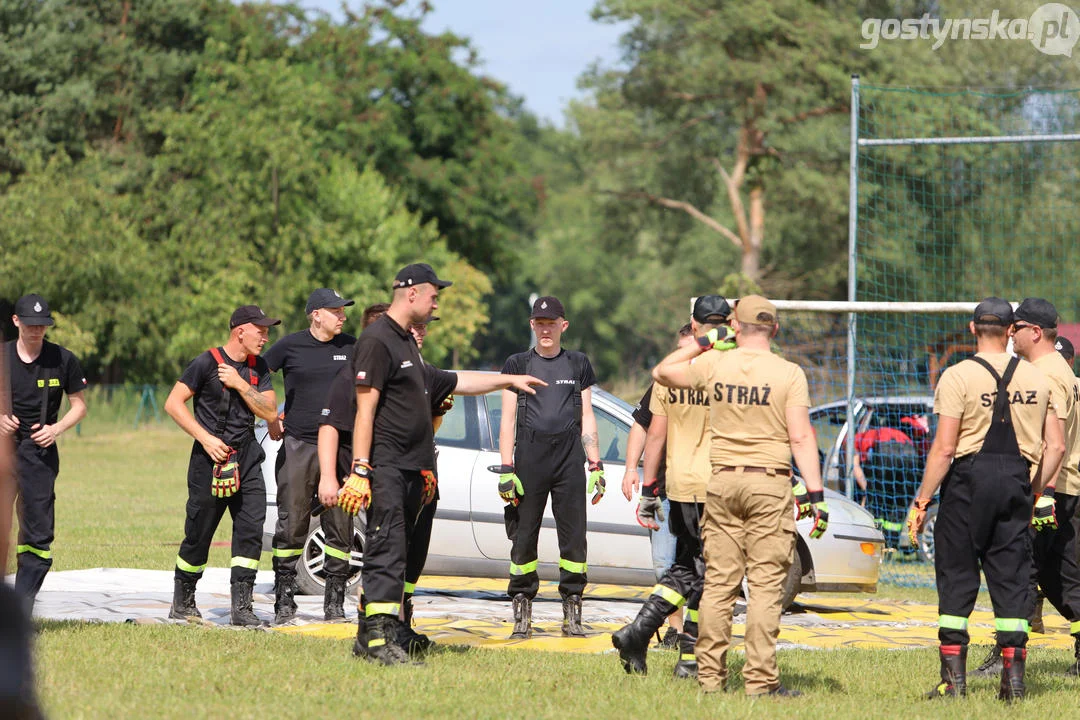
<point x="590" y="441"/>
<point x="259" y="403"/>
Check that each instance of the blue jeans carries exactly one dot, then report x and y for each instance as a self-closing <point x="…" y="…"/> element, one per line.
<point x="663" y="544"/>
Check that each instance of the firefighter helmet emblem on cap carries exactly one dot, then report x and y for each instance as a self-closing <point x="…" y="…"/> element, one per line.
<point x="37" y="307"/>
<point x="543" y="306"/>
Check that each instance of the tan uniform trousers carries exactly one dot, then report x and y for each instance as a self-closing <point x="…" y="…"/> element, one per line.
<point x="749" y="529"/>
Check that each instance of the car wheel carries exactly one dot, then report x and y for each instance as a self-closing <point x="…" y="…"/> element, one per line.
<point x="792" y="582"/>
<point x="310" y="576"/>
<point x="925" y="547"/>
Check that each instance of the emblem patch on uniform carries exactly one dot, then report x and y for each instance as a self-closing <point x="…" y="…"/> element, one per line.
<point x="325" y="412"/>
<point x="406" y="364"/>
<point x="37" y="307"/>
<point x="361" y="375"/>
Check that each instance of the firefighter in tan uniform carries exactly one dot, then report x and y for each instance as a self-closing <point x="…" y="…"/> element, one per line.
<point x="681" y="419"/>
<point x="993" y="421"/>
<point x="759" y="418"/>
<point x="1053" y="538"/>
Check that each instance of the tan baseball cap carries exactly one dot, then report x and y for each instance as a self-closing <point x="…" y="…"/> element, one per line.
<point x="755" y="310"/>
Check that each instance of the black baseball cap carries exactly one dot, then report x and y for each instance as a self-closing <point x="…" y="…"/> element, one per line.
<point x="1038" y="312"/>
<point x="547" y="308"/>
<point x="251" y="314"/>
<point x="1065" y="347"/>
<point x="993" y="311"/>
<point x="326" y="298"/>
<point x="418" y="274"/>
<point x="33" y="310"/>
<point x="711" y="309"/>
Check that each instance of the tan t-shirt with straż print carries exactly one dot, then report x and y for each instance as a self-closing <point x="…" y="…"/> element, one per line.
<point x="1063" y="396"/>
<point x="749" y="394"/>
<point x="966" y="392"/>
<point x="687" y="413"/>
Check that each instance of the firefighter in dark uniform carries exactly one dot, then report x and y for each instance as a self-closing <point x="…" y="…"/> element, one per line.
<point x="309" y="359"/>
<point x="40" y="372"/>
<point x="393" y="449"/>
<point x="541" y="440"/>
<point x="231" y="386"/>
<point x="993" y="420"/>
<point x="681" y="422"/>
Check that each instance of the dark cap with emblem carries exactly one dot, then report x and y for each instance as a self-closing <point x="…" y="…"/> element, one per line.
<point x="547" y="308"/>
<point x="1065" y="347"/>
<point x="1038" y="312"/>
<point x="993" y="311"/>
<point x="418" y="274"/>
<point x="251" y="314"/>
<point x="326" y="298"/>
<point x="711" y="309"/>
<point x="33" y="310"/>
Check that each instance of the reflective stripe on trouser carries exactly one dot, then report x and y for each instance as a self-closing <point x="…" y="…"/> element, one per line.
<point x="1056" y="568"/>
<point x="748" y="530"/>
<point x="297" y="475"/>
<point x="983" y="520"/>
<point x="550" y="465"/>
<point x="395" y="504"/>
<point x="204" y="513"/>
<point x="36" y="469"/>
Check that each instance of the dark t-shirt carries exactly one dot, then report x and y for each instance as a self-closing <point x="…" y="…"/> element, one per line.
<point x="551" y="409"/>
<point x="386" y="358"/>
<point x="201" y="376"/>
<point x="643" y="416"/>
<point x="309" y="366"/>
<point x="27" y="383"/>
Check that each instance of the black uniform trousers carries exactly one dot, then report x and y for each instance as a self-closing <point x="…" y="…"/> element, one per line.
<point x="297" y="474"/>
<point x="391" y="521"/>
<point x="1055" y="568"/>
<point x="17" y="696"/>
<point x="37" y="468"/>
<point x="419" y="544"/>
<point x="550" y="465"/>
<point x="685" y="579"/>
<point x="984" y="517"/>
<point x="204" y="512"/>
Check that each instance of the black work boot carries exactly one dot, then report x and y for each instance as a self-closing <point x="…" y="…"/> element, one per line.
<point x="242" y="613"/>
<point x="632" y="641"/>
<point x="284" y="604"/>
<point x="411" y="641"/>
<point x="686" y="667"/>
<point x="953" y="672"/>
<point x="1013" y="660"/>
<point x="334" y="599"/>
<point x="382" y="647"/>
<point x="183" y="600"/>
<point x="522" y="617"/>
<point x="1074" y="669"/>
<point x="991" y="664"/>
<point x="359" y="648"/>
<point x="571" y="617"/>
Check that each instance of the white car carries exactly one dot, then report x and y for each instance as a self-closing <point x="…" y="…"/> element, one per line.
<point x="469" y="536"/>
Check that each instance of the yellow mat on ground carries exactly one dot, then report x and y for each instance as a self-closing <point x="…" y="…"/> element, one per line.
<point x="855" y="622"/>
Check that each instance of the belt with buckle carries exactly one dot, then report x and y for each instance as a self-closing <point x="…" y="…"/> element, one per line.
<point x="783" y="472"/>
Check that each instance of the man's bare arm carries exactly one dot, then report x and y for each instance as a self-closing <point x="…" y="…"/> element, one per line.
<point x="941" y="455"/>
<point x="263" y="404"/>
<point x="674" y="370"/>
<point x="804" y="446"/>
<point x="506" y="427"/>
<point x="655" y="444"/>
<point x="367" y="399"/>
<point x="590" y="436"/>
<point x="1053" y="453"/>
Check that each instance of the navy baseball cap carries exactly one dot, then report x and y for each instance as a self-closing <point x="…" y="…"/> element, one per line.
<point x="326" y="298"/>
<point x="547" y="308"/>
<point x="1065" y="347"/>
<point x="251" y="314"/>
<point x="1038" y="312"/>
<point x="711" y="309"/>
<point x="993" y="311"/>
<point x="418" y="274"/>
<point x="33" y="310"/>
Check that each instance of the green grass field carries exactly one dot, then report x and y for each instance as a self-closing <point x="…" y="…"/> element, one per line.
<point x="119" y="504"/>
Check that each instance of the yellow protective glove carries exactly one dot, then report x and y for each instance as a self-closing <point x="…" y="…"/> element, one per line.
<point x="355" y="495"/>
<point x="226" y="477"/>
<point x="721" y="338"/>
<point x="597" y="483"/>
<point x="916" y="518"/>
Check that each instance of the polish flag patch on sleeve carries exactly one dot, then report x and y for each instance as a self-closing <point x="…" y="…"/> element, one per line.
<point x="361" y="375"/>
